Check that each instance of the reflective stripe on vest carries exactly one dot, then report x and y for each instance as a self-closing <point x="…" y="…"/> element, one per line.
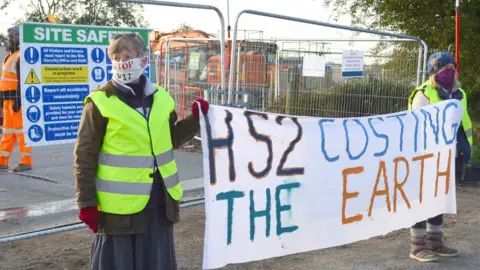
<point x="143" y="162"/>
<point x="433" y="96"/>
<point x="469" y="132"/>
<point x="8" y="79"/>
<point x="11" y="64"/>
<point x="120" y="187"/>
<point x="135" y="161"/>
<point x="12" y="131"/>
<point x="131" y="148"/>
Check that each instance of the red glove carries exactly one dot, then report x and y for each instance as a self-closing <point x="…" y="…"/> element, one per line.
<point x="203" y="103"/>
<point x="89" y="216"/>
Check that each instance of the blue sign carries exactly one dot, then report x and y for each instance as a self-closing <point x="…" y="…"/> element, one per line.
<point x="64" y="56"/>
<point x="97" y="55"/>
<point x="32" y="94"/>
<point x="109" y="73"/>
<point x="61" y="131"/>
<point x="346" y="74"/>
<point x="146" y="72"/>
<point x="31" y="55"/>
<point x="98" y="74"/>
<point x="35" y="133"/>
<point x="109" y="61"/>
<point x="62" y="112"/>
<point x="65" y="93"/>
<point x="33" y="114"/>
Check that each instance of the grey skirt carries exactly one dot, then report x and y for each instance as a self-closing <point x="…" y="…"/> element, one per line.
<point x="154" y="250"/>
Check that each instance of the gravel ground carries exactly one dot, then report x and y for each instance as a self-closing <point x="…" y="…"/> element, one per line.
<point x="71" y="250"/>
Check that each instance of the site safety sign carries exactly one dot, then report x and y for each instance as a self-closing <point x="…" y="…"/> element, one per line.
<point x="60" y="65"/>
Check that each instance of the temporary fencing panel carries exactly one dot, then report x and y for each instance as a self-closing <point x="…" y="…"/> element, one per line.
<point x="194" y="70"/>
<point x="311" y="77"/>
<point x="300" y="77"/>
<point x="381" y="77"/>
<point x="45" y="197"/>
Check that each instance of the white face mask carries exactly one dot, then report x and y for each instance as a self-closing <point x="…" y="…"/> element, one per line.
<point x="127" y="71"/>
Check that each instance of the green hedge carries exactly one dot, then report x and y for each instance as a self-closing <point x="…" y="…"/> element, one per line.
<point x="354" y="99"/>
<point x="476" y="142"/>
<point x="473" y="98"/>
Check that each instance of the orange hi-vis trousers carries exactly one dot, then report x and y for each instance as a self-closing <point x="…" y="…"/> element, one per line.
<point x="13" y="131"/>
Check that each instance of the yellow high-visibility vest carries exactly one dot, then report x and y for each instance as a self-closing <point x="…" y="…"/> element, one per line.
<point x="132" y="149"/>
<point x="433" y="96"/>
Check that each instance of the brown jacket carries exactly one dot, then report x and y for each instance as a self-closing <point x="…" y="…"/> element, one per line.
<point x="90" y="136"/>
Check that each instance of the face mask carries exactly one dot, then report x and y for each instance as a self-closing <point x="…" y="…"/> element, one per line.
<point x="446" y="78"/>
<point x="127" y="71"/>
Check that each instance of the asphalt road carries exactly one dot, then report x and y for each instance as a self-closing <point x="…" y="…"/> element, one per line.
<point x="45" y="197"/>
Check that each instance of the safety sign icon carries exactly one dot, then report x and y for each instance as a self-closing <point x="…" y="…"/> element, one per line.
<point x="35" y="133"/>
<point x="33" y="114"/>
<point x="31" y="55"/>
<point x="97" y="55"/>
<point x="98" y="74"/>
<point x="32" y="94"/>
<point x="32" y="78"/>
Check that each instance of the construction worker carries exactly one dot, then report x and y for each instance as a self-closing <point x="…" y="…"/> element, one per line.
<point x="10" y="96"/>
<point x="426" y="237"/>
<point x="126" y="179"/>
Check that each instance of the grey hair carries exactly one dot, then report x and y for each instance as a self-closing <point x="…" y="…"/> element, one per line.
<point x="128" y="41"/>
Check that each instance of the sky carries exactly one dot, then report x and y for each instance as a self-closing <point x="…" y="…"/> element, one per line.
<point x="168" y="18"/>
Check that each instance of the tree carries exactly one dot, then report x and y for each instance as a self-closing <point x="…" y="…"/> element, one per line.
<point x="431" y="20"/>
<point x="89" y="12"/>
<point x="185" y="27"/>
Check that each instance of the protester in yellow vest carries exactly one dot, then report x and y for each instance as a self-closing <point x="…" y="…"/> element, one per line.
<point x="10" y="97"/>
<point x="126" y="178"/>
<point x="426" y="237"/>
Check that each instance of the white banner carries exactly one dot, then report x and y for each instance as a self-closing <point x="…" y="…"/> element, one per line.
<point x="278" y="185"/>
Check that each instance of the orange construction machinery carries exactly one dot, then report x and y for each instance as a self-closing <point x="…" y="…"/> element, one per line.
<point x="195" y="64"/>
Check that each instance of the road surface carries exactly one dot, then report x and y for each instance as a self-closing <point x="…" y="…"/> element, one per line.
<point x="45" y="196"/>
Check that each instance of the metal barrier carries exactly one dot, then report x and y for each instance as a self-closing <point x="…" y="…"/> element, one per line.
<point x="233" y="61"/>
<point x="76" y="226"/>
<point x="264" y="75"/>
<point x="192" y="68"/>
<point x="194" y="6"/>
<point x="50" y="184"/>
<point x="271" y="76"/>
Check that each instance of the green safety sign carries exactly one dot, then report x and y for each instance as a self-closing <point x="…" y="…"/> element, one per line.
<point x="75" y="34"/>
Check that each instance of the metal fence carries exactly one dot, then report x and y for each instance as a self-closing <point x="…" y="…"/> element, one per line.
<point x="389" y="76"/>
<point x="271" y="75"/>
<point x="191" y="68"/>
<point x="44" y="198"/>
<point x="281" y="76"/>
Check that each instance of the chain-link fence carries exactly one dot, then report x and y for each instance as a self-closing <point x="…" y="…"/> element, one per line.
<point x="191" y="68"/>
<point x="272" y="75"/>
<point x="44" y="197"/>
<point x="304" y="77"/>
<point x="314" y="78"/>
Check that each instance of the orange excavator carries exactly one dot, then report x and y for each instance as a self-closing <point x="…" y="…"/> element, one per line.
<point x="187" y="79"/>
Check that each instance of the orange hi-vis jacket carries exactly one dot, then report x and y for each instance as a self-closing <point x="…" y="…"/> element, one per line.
<point x="12" y="122"/>
<point x="9" y="80"/>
